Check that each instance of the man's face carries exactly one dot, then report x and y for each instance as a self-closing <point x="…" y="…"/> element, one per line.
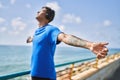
<point x="41" y="14"/>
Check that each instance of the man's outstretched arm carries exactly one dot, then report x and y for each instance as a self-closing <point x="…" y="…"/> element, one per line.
<point x="98" y="48"/>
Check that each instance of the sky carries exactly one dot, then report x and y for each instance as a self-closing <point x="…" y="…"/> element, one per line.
<point x="92" y="20"/>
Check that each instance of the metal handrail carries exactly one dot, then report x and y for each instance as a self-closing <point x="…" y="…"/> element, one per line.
<point x="14" y="75"/>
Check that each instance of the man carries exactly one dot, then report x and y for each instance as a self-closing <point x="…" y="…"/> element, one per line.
<point x="44" y="44"/>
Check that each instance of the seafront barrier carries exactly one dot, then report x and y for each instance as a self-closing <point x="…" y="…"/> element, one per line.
<point x="85" y="69"/>
<point x="101" y="69"/>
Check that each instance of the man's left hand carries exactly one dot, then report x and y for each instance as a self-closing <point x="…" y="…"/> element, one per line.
<point x="99" y="49"/>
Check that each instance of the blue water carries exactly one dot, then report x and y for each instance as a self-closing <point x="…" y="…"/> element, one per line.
<point x="17" y="58"/>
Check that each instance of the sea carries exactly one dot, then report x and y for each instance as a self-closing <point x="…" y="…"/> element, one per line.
<point x="15" y="58"/>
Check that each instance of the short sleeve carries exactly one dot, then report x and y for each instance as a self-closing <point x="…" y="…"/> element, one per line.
<point x="54" y="35"/>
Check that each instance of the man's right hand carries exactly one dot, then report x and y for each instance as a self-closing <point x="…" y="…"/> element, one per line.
<point x="29" y="39"/>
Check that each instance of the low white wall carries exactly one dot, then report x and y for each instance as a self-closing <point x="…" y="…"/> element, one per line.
<point x="106" y="72"/>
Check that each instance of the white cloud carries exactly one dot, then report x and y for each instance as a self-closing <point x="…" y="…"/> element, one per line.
<point x="31" y="32"/>
<point x="18" y="24"/>
<point x="1" y="5"/>
<point x="12" y="1"/>
<point x="53" y="5"/>
<point x="70" y="18"/>
<point x="28" y="5"/>
<point x="2" y="20"/>
<point x="13" y="32"/>
<point x="62" y="27"/>
<point x="107" y="23"/>
<point x="3" y="29"/>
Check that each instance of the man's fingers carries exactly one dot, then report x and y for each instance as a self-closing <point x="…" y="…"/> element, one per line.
<point x="29" y="39"/>
<point x="105" y="50"/>
<point x="104" y="43"/>
<point x="104" y="53"/>
<point x="99" y="56"/>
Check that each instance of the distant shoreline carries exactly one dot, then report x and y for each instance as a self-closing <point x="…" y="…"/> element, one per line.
<point x="57" y="46"/>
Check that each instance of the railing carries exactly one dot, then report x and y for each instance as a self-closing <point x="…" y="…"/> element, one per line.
<point x="14" y="75"/>
<point x="94" y="69"/>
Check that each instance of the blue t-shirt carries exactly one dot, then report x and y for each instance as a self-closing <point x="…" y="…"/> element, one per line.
<point x="44" y="45"/>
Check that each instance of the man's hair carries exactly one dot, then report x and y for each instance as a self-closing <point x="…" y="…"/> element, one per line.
<point x="49" y="13"/>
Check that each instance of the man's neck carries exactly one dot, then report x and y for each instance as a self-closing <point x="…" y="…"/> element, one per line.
<point x="41" y="24"/>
